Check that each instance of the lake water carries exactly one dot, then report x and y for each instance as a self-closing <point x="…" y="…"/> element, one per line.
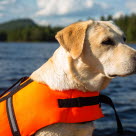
<point x="21" y="59"/>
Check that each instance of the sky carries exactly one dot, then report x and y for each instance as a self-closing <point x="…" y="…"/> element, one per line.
<point x="63" y="12"/>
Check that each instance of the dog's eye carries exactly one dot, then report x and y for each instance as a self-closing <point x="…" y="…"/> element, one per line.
<point x="108" y="42"/>
<point x="124" y="38"/>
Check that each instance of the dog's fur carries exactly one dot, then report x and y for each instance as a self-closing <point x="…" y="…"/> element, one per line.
<point x="91" y="53"/>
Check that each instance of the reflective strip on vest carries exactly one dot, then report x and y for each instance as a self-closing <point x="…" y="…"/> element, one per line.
<point x="12" y="118"/>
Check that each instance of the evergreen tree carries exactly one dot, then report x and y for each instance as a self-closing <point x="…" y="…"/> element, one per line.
<point x="102" y="18"/>
<point x="3" y="36"/>
<point x="109" y="18"/>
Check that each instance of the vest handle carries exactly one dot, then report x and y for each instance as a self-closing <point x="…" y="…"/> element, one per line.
<point x="20" y="80"/>
<point x="16" y="89"/>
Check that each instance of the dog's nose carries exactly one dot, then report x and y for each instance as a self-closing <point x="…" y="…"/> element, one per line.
<point x="134" y="61"/>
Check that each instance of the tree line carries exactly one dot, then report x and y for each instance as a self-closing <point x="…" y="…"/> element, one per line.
<point x="37" y="33"/>
<point x="30" y="34"/>
<point x="127" y="24"/>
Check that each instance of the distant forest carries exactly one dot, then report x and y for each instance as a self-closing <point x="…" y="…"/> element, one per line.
<point x="26" y="30"/>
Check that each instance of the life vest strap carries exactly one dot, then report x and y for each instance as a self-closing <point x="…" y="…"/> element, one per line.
<point x="107" y="100"/>
<point x="88" y="101"/>
<point x="12" y="118"/>
<point x="78" y="102"/>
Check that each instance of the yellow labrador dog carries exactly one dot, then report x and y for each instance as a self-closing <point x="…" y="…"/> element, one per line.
<point x="90" y="55"/>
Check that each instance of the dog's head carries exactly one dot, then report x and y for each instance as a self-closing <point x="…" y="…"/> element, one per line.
<point x="101" y="45"/>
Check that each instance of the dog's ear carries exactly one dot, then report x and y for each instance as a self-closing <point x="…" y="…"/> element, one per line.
<point x="72" y="37"/>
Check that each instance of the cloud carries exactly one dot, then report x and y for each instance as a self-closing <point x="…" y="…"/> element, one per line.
<point x="56" y="21"/>
<point x="59" y="7"/>
<point x="131" y="5"/>
<point x="63" y="12"/>
<point x="42" y="22"/>
<point x="53" y="7"/>
<point x="58" y="12"/>
<point x="118" y="14"/>
<point x="5" y="2"/>
<point x="2" y="7"/>
<point x="1" y="15"/>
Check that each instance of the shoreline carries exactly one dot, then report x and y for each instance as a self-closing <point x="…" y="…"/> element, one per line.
<point x="43" y="42"/>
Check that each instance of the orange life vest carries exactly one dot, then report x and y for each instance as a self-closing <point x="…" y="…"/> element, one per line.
<point x="35" y="105"/>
